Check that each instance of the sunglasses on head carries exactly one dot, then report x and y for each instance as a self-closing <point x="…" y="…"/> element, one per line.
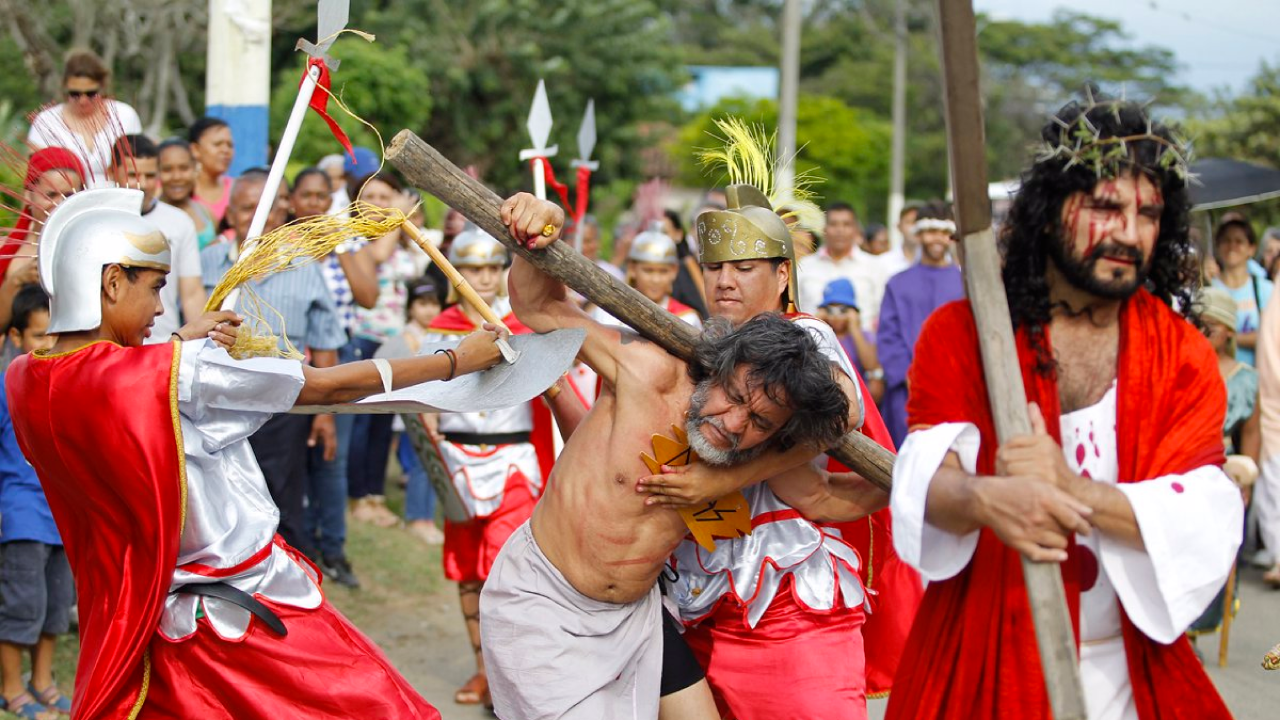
<point x="76" y="94"/>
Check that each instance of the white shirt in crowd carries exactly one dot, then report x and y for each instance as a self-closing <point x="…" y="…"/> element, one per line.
<point x="866" y="271"/>
<point x="49" y="129"/>
<point x="184" y="249"/>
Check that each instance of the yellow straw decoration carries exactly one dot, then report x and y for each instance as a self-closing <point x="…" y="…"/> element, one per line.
<point x="289" y="246"/>
<point x="747" y="156"/>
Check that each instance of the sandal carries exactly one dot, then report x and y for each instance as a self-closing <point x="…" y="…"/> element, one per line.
<point x="52" y="698"/>
<point x="25" y="706"/>
<point x="474" y="692"/>
<point x="1272" y="577"/>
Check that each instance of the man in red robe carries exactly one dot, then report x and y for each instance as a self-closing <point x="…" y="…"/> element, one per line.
<point x="191" y="606"/>
<point x="1120" y="482"/>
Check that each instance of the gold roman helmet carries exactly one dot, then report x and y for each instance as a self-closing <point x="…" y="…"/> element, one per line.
<point x="749" y="228"/>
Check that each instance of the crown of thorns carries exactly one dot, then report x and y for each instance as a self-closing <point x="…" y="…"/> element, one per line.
<point x="1080" y="142"/>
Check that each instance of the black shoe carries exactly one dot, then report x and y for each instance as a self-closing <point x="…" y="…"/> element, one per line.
<point x="339" y="570"/>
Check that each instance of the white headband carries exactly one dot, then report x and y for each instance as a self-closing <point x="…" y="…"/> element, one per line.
<point x="935" y="224"/>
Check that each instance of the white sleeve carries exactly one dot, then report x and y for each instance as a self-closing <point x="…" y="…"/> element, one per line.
<point x="39" y="136"/>
<point x="186" y="250"/>
<point x="128" y="118"/>
<point x="830" y="346"/>
<point x="936" y="553"/>
<point x="228" y="399"/>
<point x="1191" y="528"/>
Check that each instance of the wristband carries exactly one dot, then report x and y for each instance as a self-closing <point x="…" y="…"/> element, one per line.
<point x="876" y="374"/>
<point x="384" y="369"/>
<point x="453" y="362"/>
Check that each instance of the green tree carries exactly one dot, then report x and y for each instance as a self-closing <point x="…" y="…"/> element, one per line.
<point x="848" y="148"/>
<point x="485" y="58"/>
<point x="1245" y="126"/>
<point x="377" y="82"/>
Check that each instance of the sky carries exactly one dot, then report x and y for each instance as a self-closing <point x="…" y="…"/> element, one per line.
<point x="1219" y="43"/>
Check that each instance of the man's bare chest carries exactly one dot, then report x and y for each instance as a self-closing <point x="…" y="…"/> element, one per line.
<point x="1087" y="362"/>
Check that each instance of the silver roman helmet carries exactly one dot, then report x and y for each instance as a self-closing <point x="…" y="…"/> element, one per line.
<point x="653" y="246"/>
<point x="88" y="231"/>
<point x="476" y="248"/>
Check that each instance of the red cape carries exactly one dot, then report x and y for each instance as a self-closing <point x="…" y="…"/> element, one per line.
<point x="100" y="426"/>
<point x="972" y="652"/>
<point x="455" y="322"/>
<point x="894" y="588"/>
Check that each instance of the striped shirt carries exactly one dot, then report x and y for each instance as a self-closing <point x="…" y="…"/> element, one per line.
<point x="295" y="301"/>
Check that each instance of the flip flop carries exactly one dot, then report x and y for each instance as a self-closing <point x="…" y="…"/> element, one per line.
<point x="52" y="698"/>
<point x="474" y="692"/>
<point x="30" y="709"/>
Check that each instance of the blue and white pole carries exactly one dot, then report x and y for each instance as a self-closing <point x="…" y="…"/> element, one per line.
<point x="238" y="79"/>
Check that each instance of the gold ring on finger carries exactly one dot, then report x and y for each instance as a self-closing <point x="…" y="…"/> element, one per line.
<point x="548" y="230"/>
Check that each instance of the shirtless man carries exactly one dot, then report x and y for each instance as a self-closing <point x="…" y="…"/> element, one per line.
<point x="573" y="625"/>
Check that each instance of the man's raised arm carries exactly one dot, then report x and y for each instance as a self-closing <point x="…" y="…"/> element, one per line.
<point x="542" y="302"/>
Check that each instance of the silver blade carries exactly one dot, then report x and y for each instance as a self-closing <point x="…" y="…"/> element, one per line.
<point x="333" y="16"/>
<point x="542" y="360"/>
<point x="539" y="123"/>
<point x="587" y="133"/>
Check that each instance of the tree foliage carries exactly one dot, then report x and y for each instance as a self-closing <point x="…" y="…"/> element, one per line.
<point x="847" y="148"/>
<point x="485" y="58"/>
<point x="379" y="83"/>
<point x="1246" y="126"/>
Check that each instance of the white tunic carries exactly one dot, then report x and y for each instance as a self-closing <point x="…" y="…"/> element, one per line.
<point x="1162" y="588"/>
<point x="231" y="520"/>
<point x="480" y="472"/>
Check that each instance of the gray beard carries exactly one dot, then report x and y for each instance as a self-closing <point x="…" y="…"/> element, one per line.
<point x="708" y="453"/>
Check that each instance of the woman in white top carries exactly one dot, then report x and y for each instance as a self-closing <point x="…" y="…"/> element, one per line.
<point x="88" y="122"/>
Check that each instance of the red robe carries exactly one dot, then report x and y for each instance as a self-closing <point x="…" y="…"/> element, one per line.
<point x="972" y="652"/>
<point x="120" y="513"/>
<point x="894" y="588"/>
<point x="102" y="429"/>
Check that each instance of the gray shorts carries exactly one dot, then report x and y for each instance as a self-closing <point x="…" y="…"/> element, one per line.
<point x="551" y="653"/>
<point x="36" y="591"/>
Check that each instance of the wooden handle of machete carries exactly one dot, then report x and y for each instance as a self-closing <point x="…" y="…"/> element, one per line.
<point x="459" y="283"/>
<point x="424" y="167"/>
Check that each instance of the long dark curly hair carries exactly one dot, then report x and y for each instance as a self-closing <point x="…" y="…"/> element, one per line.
<point x="1034" y="222"/>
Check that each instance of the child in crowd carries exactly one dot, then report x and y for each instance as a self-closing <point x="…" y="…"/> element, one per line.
<point x="36" y="588"/>
<point x="420" y="500"/>
<point x="839" y="309"/>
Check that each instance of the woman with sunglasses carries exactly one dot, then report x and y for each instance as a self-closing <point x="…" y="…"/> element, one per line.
<point x="87" y="122"/>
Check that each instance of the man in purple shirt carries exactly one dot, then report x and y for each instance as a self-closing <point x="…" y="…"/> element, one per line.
<point x="910" y="297"/>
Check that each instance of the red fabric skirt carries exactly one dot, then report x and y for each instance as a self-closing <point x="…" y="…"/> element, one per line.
<point x="471" y="547"/>
<point x="323" y="669"/>
<point x="795" y="663"/>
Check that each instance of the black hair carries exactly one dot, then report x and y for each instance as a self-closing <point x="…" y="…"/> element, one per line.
<point x="674" y="217"/>
<point x="1033" y="228"/>
<point x="383" y="176"/>
<point x="307" y="172"/>
<point x="30" y="300"/>
<point x="840" y="205"/>
<point x="204" y="125"/>
<point x="425" y="288"/>
<point x="173" y="142"/>
<point x="135" y="147"/>
<point x="1235" y="219"/>
<point x="935" y="210"/>
<point x="786" y="362"/>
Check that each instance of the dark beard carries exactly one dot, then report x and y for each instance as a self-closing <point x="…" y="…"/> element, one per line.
<point x="1080" y="271"/>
